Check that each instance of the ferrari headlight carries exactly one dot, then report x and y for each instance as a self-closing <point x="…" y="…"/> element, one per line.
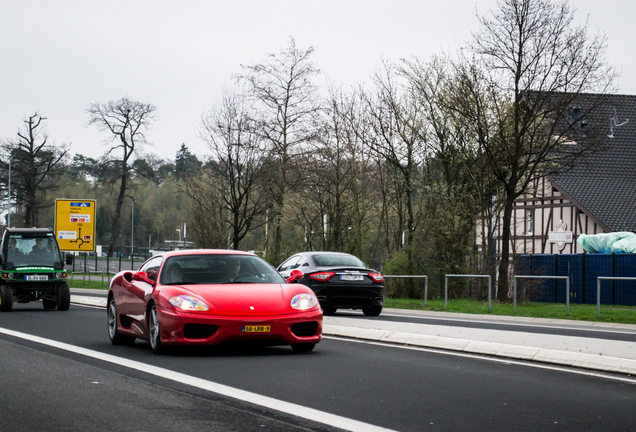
<point x="304" y="301"/>
<point x="187" y="302"/>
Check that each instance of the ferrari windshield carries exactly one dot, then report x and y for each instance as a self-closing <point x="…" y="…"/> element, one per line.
<point x="217" y="269"/>
<point x="33" y="249"/>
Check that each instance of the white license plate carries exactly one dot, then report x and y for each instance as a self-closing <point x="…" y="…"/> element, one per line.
<point x="347" y="277"/>
<point x="36" y="277"/>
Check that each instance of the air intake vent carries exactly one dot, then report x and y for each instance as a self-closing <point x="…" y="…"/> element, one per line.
<point x="305" y="329"/>
<point x="198" y="331"/>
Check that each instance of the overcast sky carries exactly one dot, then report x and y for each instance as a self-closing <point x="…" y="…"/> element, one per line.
<point x="58" y="57"/>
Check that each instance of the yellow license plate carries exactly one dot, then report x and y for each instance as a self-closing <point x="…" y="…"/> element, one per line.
<point x="256" y="329"/>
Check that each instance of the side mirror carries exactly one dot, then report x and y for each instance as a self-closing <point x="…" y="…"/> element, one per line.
<point x="295" y="275"/>
<point x="142" y="277"/>
<point x="69" y="259"/>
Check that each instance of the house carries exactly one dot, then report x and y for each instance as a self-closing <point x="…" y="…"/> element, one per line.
<point x="598" y="195"/>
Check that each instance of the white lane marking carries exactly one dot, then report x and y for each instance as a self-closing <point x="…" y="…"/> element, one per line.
<point x="256" y="399"/>
<point x="629" y="379"/>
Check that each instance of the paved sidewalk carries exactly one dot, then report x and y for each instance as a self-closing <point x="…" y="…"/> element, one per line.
<point x="579" y="352"/>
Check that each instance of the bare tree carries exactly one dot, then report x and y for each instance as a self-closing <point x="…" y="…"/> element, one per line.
<point x="450" y="182"/>
<point x="126" y="120"/>
<point x="399" y="139"/>
<point x="237" y="165"/>
<point x="35" y="165"/>
<point x="207" y="207"/>
<point x="353" y="166"/>
<point x="537" y="64"/>
<point x="285" y="97"/>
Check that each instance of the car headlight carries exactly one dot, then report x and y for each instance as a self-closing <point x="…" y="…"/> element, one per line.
<point x="304" y="301"/>
<point x="187" y="302"/>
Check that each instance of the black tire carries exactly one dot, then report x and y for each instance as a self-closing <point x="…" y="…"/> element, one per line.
<point x="49" y="304"/>
<point x="303" y="348"/>
<point x="6" y="298"/>
<point x="329" y="310"/>
<point x="154" y="332"/>
<point x="63" y="297"/>
<point x="372" y="310"/>
<point x="115" y="337"/>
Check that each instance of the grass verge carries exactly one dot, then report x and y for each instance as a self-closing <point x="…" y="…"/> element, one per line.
<point x="611" y="314"/>
<point x="95" y="281"/>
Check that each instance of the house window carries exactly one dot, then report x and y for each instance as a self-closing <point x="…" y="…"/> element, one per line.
<point x="529" y="222"/>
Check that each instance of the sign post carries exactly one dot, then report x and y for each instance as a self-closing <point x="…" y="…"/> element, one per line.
<point x="75" y="224"/>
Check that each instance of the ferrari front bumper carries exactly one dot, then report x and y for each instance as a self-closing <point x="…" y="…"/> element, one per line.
<point x="190" y="328"/>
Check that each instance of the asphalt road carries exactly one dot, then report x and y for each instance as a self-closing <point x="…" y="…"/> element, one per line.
<point x="392" y="387"/>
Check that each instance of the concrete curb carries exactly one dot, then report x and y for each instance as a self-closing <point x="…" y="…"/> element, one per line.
<point x="517" y="352"/>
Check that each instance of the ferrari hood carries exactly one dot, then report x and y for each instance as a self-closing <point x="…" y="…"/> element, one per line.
<point x="244" y="298"/>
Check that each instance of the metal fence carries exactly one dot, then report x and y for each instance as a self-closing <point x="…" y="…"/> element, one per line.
<point x="91" y="268"/>
<point x="468" y="276"/>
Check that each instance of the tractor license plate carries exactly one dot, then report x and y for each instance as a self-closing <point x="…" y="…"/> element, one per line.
<point x="347" y="277"/>
<point x="36" y="278"/>
<point x="256" y="329"/>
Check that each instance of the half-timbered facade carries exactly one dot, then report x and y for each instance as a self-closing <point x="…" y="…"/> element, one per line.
<point x="596" y="196"/>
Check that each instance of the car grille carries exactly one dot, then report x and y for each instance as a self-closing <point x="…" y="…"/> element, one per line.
<point x="198" y="331"/>
<point x="305" y="329"/>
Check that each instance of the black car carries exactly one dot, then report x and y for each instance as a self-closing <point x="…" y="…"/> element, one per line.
<point x="339" y="280"/>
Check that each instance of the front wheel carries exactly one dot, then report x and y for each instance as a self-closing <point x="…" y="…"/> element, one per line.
<point x="156" y="345"/>
<point x="329" y="310"/>
<point x="372" y="310"/>
<point x="301" y="348"/>
<point x="116" y="338"/>
<point x="63" y="297"/>
<point x="6" y="298"/>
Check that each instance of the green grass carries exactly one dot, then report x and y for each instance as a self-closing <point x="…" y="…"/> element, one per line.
<point x="611" y="314"/>
<point x="78" y="281"/>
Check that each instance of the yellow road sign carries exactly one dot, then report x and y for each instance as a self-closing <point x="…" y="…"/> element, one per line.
<point x="75" y="224"/>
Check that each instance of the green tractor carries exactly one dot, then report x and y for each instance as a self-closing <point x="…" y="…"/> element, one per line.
<point x="32" y="268"/>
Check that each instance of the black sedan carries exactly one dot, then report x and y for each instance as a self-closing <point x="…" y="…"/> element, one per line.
<point x="339" y="280"/>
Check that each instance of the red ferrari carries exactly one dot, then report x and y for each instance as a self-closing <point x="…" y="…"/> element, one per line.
<point x="206" y="297"/>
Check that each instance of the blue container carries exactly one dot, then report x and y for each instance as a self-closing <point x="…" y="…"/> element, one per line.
<point x="624" y="291"/>
<point x="570" y="265"/>
<point x="598" y="265"/>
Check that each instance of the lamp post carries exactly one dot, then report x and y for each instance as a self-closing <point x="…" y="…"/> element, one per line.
<point x="9" y="215"/>
<point x="132" y="226"/>
<point x="132" y="230"/>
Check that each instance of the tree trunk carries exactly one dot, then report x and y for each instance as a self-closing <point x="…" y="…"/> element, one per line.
<point x="502" y="283"/>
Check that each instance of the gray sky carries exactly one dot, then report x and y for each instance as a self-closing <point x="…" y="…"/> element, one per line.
<point x="58" y="57"/>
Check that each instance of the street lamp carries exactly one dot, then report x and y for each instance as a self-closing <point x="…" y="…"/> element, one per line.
<point x="132" y="226"/>
<point x="9" y="215"/>
<point x="179" y="236"/>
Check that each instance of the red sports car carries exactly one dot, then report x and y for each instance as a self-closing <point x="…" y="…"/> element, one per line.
<point x="205" y="297"/>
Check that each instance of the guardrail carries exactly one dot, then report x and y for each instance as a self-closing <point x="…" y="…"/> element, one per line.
<point x="567" y="288"/>
<point x="413" y="276"/>
<point x="467" y="276"/>
<point x="598" y="289"/>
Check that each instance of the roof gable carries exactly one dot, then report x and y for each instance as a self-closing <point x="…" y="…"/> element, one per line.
<point x="604" y="183"/>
